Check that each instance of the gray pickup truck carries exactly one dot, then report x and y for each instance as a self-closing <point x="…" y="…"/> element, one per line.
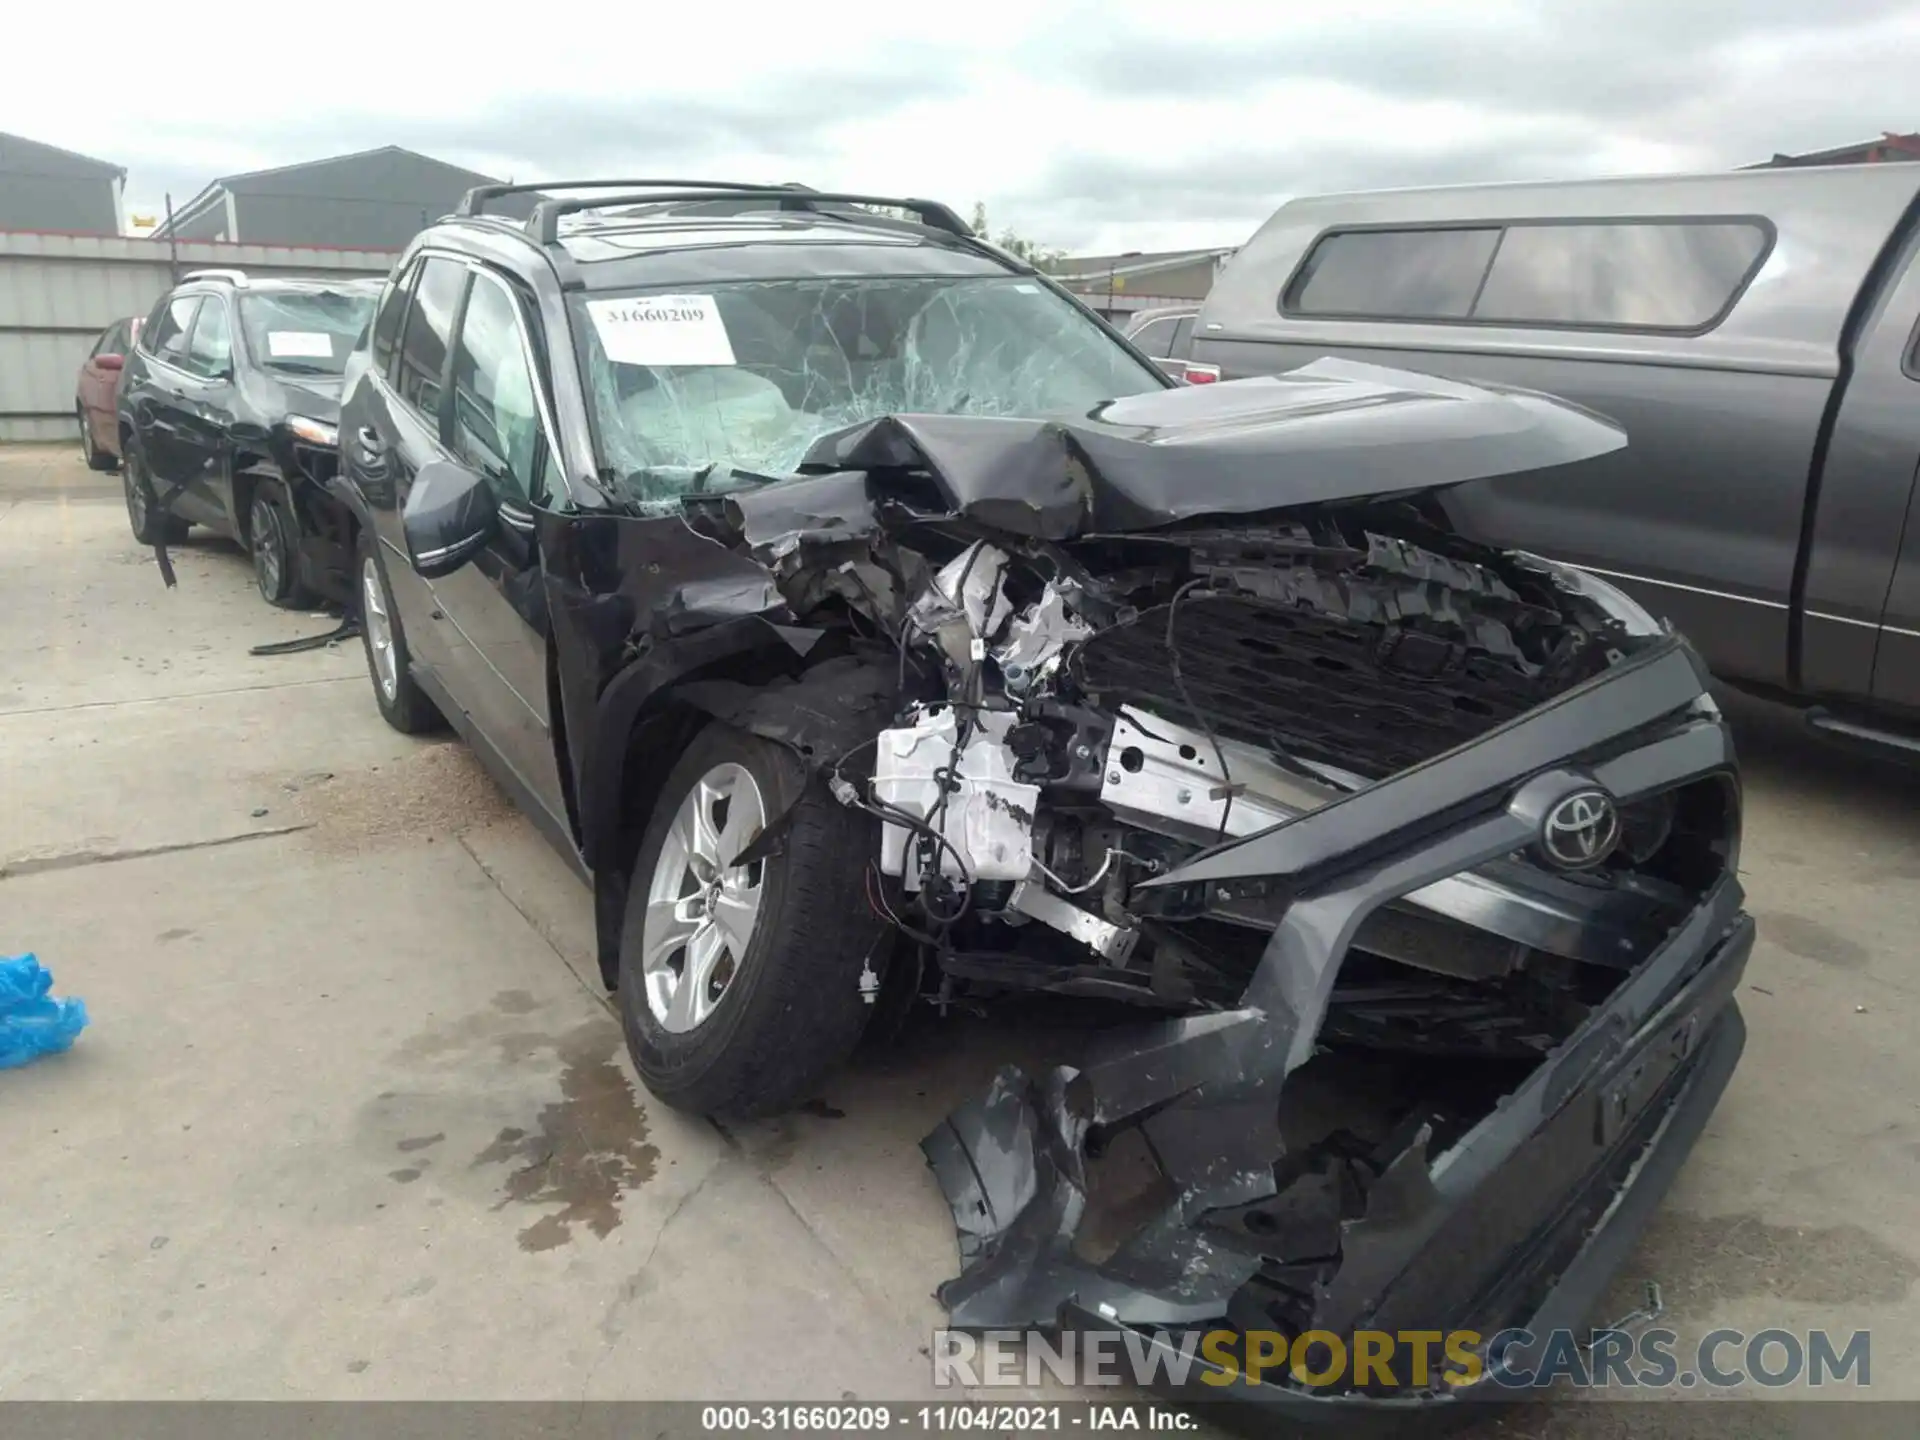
<point x="1755" y="334"/>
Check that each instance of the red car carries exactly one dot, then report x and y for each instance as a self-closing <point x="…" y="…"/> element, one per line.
<point x="98" y="390"/>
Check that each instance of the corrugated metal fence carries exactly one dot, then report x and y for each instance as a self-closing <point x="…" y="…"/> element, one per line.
<point x="58" y="292"/>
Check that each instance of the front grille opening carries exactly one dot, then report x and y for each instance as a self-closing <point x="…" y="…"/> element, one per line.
<point x="1371" y="698"/>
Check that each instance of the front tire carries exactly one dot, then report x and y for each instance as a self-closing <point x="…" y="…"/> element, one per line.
<point x="403" y="704"/>
<point x="740" y="985"/>
<point x="272" y="542"/>
<point x="150" y="527"/>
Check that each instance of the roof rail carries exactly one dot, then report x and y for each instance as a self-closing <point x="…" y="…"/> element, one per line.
<point x="475" y="200"/>
<point x="238" y="277"/>
<point x="545" y="220"/>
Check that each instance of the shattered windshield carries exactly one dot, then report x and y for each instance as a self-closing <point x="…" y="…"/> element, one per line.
<point x="304" y="332"/>
<point x="731" y="386"/>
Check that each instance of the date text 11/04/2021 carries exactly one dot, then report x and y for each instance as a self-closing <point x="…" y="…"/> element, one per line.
<point x="1655" y="1359"/>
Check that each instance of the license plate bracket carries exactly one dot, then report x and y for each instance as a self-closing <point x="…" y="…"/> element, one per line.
<point x="1641" y="1077"/>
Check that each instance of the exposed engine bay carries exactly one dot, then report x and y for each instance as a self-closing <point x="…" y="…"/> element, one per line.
<point x="1074" y="719"/>
<point x="1394" y="842"/>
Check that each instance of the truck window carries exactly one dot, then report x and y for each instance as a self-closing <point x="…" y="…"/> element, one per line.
<point x="1655" y="276"/>
<point x="1393" y="274"/>
<point x="1155" y="337"/>
<point x="1617" y="274"/>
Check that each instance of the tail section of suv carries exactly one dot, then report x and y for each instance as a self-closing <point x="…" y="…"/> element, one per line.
<point x="227" y="413"/>
<point x="869" y="623"/>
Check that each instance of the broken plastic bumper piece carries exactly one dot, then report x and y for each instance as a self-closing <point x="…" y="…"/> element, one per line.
<point x="1516" y="1215"/>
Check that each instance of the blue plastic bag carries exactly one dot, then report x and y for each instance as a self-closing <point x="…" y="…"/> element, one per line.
<point x="31" y="1023"/>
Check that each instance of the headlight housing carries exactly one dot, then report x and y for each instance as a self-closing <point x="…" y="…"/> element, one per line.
<point x="314" y="432"/>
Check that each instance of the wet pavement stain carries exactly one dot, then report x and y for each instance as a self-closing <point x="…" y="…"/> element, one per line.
<point x="1700" y="1260"/>
<point x="404" y="1177"/>
<point x="420" y="1142"/>
<point x="515" y="1002"/>
<point x="587" y="1149"/>
<point x="455" y="1043"/>
<point x="1811" y="940"/>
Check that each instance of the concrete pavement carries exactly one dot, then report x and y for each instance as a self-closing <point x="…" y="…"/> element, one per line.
<point x="353" y="1118"/>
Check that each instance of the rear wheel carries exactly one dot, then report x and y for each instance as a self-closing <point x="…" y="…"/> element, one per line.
<point x="96" y="458"/>
<point x="403" y="704"/>
<point x="272" y="537"/>
<point x="740" y="984"/>
<point x="150" y="527"/>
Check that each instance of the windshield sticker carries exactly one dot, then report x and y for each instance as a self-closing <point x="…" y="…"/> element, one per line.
<point x="299" y="345"/>
<point x="662" y="330"/>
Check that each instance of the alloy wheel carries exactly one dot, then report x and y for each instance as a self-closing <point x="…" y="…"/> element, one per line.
<point x="379" y="630"/>
<point x="134" y="481"/>
<point x="701" y="906"/>
<point x="263" y="524"/>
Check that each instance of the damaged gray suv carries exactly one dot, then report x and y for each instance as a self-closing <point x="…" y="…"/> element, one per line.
<point x="867" y="621"/>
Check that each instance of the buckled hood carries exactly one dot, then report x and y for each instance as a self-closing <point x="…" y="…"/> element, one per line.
<point x="1333" y="430"/>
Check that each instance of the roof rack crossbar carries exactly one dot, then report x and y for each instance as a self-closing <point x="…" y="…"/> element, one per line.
<point x="475" y="200"/>
<point x="545" y="221"/>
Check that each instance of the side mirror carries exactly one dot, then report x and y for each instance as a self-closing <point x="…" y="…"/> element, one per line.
<point x="450" y="515"/>
<point x="110" y="362"/>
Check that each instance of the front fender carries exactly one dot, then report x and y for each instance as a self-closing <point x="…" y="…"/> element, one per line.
<point x="817" y="716"/>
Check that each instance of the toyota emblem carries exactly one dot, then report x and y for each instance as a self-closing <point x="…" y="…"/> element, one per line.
<point x="1581" y="831"/>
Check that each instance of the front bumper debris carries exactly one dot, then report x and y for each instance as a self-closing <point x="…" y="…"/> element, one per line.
<point x="1519" y="1221"/>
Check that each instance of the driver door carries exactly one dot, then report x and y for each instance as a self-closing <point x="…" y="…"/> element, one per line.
<point x="495" y="602"/>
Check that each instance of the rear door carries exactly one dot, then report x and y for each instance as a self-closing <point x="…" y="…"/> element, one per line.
<point x="1863" y="580"/>
<point x="495" y="603"/>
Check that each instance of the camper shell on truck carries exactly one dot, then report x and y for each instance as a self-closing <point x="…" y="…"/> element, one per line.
<point x="1753" y="332"/>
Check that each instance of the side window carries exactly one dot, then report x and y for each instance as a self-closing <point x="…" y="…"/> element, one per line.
<point x="386" y="324"/>
<point x="1182" y="345"/>
<point x="103" y="345"/>
<point x="166" y="332"/>
<point x="1664" y="276"/>
<point x="423" y="346"/>
<point x="1154" y="337"/>
<point x="117" y="339"/>
<point x="210" y="353"/>
<point x="1393" y="274"/>
<point x="496" y="423"/>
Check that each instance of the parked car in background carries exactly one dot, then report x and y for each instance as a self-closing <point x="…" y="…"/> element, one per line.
<point x="1757" y="334"/>
<point x="96" y="393"/>
<point x="228" y="418"/>
<point x="1165" y="333"/>
<point x="869" y="622"/>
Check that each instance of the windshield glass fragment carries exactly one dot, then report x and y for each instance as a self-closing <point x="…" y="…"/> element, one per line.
<point x="729" y="387"/>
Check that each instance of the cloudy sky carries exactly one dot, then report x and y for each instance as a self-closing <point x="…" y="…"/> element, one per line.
<point x="1093" y="125"/>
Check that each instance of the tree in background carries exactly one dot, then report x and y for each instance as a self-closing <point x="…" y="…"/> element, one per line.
<point x="1035" y="254"/>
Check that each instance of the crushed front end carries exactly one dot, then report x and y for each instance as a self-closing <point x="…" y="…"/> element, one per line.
<point x="1417" y="858"/>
